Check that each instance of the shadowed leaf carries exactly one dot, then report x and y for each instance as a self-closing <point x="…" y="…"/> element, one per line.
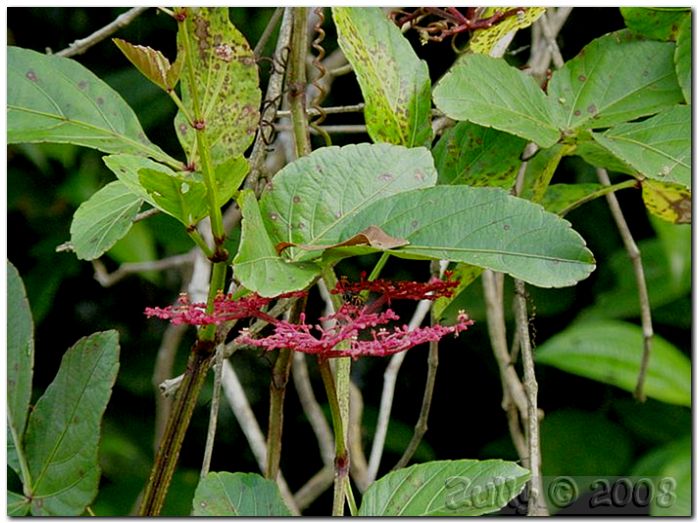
<point x="153" y="64"/>
<point x="238" y="494"/>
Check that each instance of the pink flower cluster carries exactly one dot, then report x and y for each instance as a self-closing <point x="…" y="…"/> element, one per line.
<point x="357" y="329"/>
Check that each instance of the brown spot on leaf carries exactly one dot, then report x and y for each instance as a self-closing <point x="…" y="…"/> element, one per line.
<point x="582" y="78"/>
<point x="31" y="75"/>
<point x="273" y="216"/>
<point x="82" y="84"/>
<point x="296" y="199"/>
<point x="100" y="100"/>
<point x="386" y="177"/>
<point x="577" y="112"/>
<point x="507" y="227"/>
<point x="592" y="109"/>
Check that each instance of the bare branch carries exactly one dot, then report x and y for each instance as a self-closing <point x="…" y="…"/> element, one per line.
<point x="636" y="260"/>
<point x="339" y="109"/>
<point x="314" y="487"/>
<point x="107" y="279"/>
<point x="121" y="21"/>
<point x="550" y="38"/>
<point x="334" y="129"/>
<point x="213" y="414"/>
<point x="536" y="500"/>
<point x="268" y="30"/>
<point x="357" y="463"/>
<point x="146" y="214"/>
<point x="164" y="363"/>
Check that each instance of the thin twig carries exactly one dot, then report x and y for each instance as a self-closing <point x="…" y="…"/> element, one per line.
<point x="237" y="399"/>
<point x="386" y="404"/>
<point x="339" y="109"/>
<point x="312" y="408"/>
<point x="268" y="30"/>
<point x="107" y="279"/>
<point x="121" y="21"/>
<point x="550" y="38"/>
<point x="314" y="487"/>
<point x="213" y="414"/>
<point x="146" y="214"/>
<point x="636" y="260"/>
<point x="358" y="466"/>
<point x="536" y="500"/>
<point x="334" y="129"/>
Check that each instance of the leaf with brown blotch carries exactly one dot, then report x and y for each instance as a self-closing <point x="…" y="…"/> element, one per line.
<point x="153" y="64"/>
<point x="372" y="236"/>
<point x="669" y="201"/>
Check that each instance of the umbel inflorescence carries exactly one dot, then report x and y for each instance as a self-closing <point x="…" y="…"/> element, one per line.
<point x="361" y="327"/>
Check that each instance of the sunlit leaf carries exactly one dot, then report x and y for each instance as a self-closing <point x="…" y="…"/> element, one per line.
<point x="64" y="427"/>
<point x="674" y="495"/>
<point x="682" y="58"/>
<point x="485" y="227"/>
<point x="394" y="82"/>
<point x="484" y="41"/>
<point x="614" y="79"/>
<point x="20" y="363"/>
<point x="238" y="494"/>
<point x="489" y="92"/>
<point x="55" y="99"/>
<point x="226" y="82"/>
<point x="610" y="352"/>
<point x="312" y="198"/>
<point x="655" y="23"/>
<point x="659" y="147"/>
<point x="153" y="64"/>
<point x="445" y="488"/>
<point x="669" y="201"/>
<point x="469" y="154"/>
<point x="103" y="220"/>
<point x="257" y="265"/>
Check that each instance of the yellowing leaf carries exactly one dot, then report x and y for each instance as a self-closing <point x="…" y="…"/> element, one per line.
<point x="669" y="201"/>
<point x="484" y="41"/>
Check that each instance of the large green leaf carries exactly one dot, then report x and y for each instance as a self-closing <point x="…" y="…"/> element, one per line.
<point x="126" y="167"/>
<point x="257" y="265"/>
<point x="55" y="99"/>
<point x="17" y="504"/>
<point x="659" y="147"/>
<point x="469" y="154"/>
<point x="592" y="153"/>
<point x="655" y="23"/>
<point x="614" y="79"/>
<point x="489" y="92"/>
<point x="394" y="82"/>
<point x="312" y="198"/>
<point x="610" y="352"/>
<point x="445" y="488"/>
<point x="481" y="226"/>
<point x="226" y="83"/>
<point x="103" y="220"/>
<point x="20" y="363"/>
<point x="238" y="494"/>
<point x="682" y="58"/>
<point x="64" y="427"/>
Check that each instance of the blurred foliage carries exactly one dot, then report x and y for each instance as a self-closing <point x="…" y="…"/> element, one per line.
<point x="589" y="427"/>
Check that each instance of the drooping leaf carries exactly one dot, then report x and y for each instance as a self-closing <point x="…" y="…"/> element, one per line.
<point x="610" y="352"/>
<point x="489" y="92"/>
<point x="484" y="41"/>
<point x="469" y="154"/>
<point x="226" y="82"/>
<point x="682" y="58"/>
<point x="652" y="421"/>
<point x="126" y="167"/>
<point x="659" y="147"/>
<point x="17" y="504"/>
<point x="257" y="265"/>
<point x="20" y="363"/>
<point x="312" y="198"/>
<point x="592" y="153"/>
<point x="394" y="82"/>
<point x="153" y="64"/>
<point x="103" y="220"/>
<point x="655" y="23"/>
<point x="669" y="201"/>
<point x="614" y="79"/>
<point x="229" y="176"/>
<point x="55" y="99"/>
<point x="673" y="494"/>
<point x="445" y="488"/>
<point x="238" y="494"/>
<point x="561" y="198"/>
<point x="465" y="274"/>
<point x="64" y="427"/>
<point x="654" y="462"/>
<point x="481" y="226"/>
<point x="540" y="170"/>
<point x="181" y="196"/>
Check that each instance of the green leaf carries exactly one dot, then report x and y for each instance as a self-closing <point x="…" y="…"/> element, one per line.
<point x="655" y="23"/>
<point x="592" y="153"/>
<point x="610" y="352"/>
<point x="561" y="198"/>
<point x="312" y="198"/>
<point x="659" y="147"/>
<point x="226" y="82"/>
<point x="465" y="274"/>
<point x="55" y="99"/>
<point x="137" y="246"/>
<point x="256" y="265"/>
<point x="229" y="177"/>
<point x="673" y="494"/>
<point x="485" y="227"/>
<point x="489" y="92"/>
<point x="238" y="494"/>
<point x="153" y="64"/>
<point x="540" y="171"/>
<point x="126" y="168"/>
<point x="17" y="504"/>
<point x="394" y="82"/>
<point x="652" y="421"/>
<point x="654" y="462"/>
<point x="20" y="363"/>
<point x="614" y="79"/>
<point x="470" y="154"/>
<point x="63" y="430"/>
<point x="103" y="220"/>
<point x="484" y="41"/>
<point x="675" y="240"/>
<point x="669" y="201"/>
<point x="445" y="488"/>
<point x="682" y="58"/>
<point x="181" y="196"/>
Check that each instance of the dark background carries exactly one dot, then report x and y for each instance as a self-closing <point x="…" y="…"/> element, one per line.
<point x="589" y="428"/>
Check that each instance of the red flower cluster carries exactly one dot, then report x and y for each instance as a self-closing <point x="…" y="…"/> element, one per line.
<point x="356" y="329"/>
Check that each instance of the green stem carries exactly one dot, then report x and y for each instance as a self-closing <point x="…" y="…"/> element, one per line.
<point x="379" y="266"/>
<point x="23" y="466"/>
<point x="208" y="332"/>
<point x="296" y="81"/>
<point x="196" y="237"/>
<point x="177" y="424"/>
<point x="180" y="105"/>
